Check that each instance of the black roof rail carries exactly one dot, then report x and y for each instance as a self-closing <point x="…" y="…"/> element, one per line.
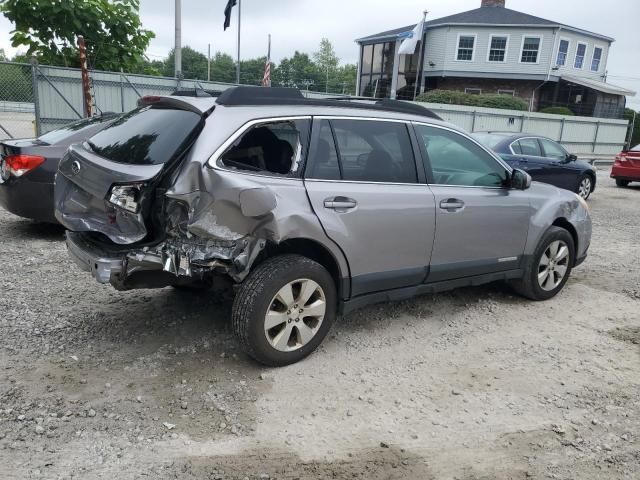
<point x="195" y="92"/>
<point x="245" y="96"/>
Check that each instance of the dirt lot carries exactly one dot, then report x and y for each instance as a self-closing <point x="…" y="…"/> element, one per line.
<point x="472" y="384"/>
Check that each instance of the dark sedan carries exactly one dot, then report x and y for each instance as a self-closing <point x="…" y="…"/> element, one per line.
<point x="545" y="160"/>
<point x="28" y="167"/>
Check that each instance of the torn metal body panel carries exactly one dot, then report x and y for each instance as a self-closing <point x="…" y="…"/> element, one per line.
<point x="212" y="221"/>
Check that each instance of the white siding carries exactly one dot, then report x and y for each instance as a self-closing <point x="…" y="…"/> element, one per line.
<point x="441" y="49"/>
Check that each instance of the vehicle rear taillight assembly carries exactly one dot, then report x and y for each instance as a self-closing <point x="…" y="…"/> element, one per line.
<point x="126" y="197"/>
<point x="18" y="165"/>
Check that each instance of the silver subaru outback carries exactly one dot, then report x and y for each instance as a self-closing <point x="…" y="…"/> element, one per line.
<point x="309" y="208"/>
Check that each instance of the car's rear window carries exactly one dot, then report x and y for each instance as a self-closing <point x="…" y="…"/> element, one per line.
<point x="146" y="136"/>
<point x="489" y="140"/>
<point x="636" y="148"/>
<point x="85" y="125"/>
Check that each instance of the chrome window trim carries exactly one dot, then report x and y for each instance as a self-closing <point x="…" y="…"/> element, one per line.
<point x="215" y="157"/>
<point x="536" y="138"/>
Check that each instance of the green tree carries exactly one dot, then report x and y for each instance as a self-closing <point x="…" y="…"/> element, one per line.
<point x="223" y="68"/>
<point x="194" y="64"/>
<point x="327" y="61"/>
<point x="635" y="135"/>
<point x="297" y="72"/>
<point x="252" y="71"/>
<point x="112" y="29"/>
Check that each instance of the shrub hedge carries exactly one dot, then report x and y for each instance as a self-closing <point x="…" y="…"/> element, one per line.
<point x="485" y="100"/>
<point x="557" y="111"/>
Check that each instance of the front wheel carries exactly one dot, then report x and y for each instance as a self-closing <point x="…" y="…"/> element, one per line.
<point x="585" y="186"/>
<point x="548" y="269"/>
<point x="284" y="309"/>
<point x="622" y="183"/>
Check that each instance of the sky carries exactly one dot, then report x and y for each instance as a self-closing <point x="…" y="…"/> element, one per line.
<point x="301" y="24"/>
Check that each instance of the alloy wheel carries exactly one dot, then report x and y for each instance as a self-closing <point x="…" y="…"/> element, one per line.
<point x="553" y="265"/>
<point x="585" y="187"/>
<point x="295" y="315"/>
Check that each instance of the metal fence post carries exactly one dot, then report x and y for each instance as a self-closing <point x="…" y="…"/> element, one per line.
<point x="36" y="103"/>
<point x="522" y="123"/>
<point x="121" y="94"/>
<point x="562" y="122"/>
<point x="595" y="137"/>
<point x="473" y="122"/>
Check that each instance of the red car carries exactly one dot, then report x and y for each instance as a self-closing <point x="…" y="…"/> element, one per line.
<point x="626" y="168"/>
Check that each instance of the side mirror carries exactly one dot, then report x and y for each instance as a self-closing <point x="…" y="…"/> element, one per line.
<point x="571" y="157"/>
<point x="520" y="180"/>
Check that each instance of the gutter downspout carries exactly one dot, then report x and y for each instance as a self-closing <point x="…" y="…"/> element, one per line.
<point x="556" y="34"/>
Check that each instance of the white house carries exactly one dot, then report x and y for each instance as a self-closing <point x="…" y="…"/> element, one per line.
<point x="493" y="49"/>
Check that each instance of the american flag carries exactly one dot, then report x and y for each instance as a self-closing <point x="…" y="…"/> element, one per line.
<point x="266" y="78"/>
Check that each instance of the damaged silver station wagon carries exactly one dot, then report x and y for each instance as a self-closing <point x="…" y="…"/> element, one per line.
<point x="311" y="208"/>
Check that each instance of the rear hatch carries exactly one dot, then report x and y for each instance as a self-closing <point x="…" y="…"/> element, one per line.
<point x="633" y="156"/>
<point x="107" y="184"/>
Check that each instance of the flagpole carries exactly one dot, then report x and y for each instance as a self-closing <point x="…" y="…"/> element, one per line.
<point x="420" y="66"/>
<point x="238" y="64"/>
<point x="269" y="60"/>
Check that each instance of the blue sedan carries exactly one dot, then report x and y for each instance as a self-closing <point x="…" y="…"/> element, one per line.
<point x="545" y="160"/>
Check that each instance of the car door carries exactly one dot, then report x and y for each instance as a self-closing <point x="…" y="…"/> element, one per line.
<point x="481" y="224"/>
<point x="362" y="181"/>
<point x="528" y="157"/>
<point x="562" y="171"/>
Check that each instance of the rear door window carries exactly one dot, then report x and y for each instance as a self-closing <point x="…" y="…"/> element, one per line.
<point x="365" y="151"/>
<point x="146" y="136"/>
<point x="529" y="146"/>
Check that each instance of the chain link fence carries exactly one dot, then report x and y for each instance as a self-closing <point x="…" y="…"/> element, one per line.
<point x="17" y="110"/>
<point x="35" y="99"/>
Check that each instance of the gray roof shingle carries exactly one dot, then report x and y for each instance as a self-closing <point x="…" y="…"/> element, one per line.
<point x="486" y="16"/>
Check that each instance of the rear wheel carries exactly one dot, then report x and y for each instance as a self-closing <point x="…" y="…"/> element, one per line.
<point x="549" y="267"/>
<point x="284" y="309"/>
<point x="585" y="186"/>
<point x="622" y="183"/>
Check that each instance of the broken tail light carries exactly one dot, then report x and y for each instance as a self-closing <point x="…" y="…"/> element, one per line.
<point x="126" y="197"/>
<point x="18" y="165"/>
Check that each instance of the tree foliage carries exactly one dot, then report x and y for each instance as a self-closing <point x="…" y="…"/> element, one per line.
<point x="635" y="135"/>
<point x="460" y="98"/>
<point x="558" y="110"/>
<point x="49" y="29"/>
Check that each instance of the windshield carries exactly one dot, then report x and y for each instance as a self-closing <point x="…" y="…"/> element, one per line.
<point x="63" y="133"/>
<point x="490" y="140"/>
<point x="145" y="136"/>
<point x="636" y="148"/>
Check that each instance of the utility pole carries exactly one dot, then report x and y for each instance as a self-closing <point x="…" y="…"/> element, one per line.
<point x="178" y="40"/>
<point x="86" y="90"/>
<point x="209" y="63"/>
<point x="238" y="64"/>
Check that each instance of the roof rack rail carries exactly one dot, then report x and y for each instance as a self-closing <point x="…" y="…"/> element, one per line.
<point x="245" y="96"/>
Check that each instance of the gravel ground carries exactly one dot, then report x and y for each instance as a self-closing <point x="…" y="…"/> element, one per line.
<point x="471" y="384"/>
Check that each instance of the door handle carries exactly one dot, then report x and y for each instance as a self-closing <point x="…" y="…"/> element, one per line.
<point x="451" y="204"/>
<point x="340" y="203"/>
<point x="523" y="160"/>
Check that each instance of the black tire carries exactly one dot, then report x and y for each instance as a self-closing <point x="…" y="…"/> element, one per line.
<point x="528" y="285"/>
<point x="253" y="300"/>
<point x="583" y="177"/>
<point x="622" y="183"/>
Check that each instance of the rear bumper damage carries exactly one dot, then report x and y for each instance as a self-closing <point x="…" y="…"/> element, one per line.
<point x="170" y="261"/>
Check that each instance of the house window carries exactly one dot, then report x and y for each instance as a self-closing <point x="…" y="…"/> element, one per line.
<point x="563" y="50"/>
<point x="581" y="52"/>
<point x="530" y="49"/>
<point x="466" y="44"/>
<point x="511" y="93"/>
<point x="597" y="58"/>
<point x="473" y="91"/>
<point x="497" y="49"/>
